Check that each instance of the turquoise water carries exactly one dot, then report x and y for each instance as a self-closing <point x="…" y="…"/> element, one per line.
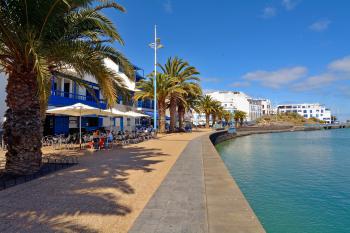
<point x="296" y="182"/>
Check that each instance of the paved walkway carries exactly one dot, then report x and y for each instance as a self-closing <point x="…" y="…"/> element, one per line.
<point x="198" y="196"/>
<point x="179" y="203"/>
<point x="104" y="193"/>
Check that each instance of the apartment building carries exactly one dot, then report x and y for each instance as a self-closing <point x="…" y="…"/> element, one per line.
<point x="308" y="110"/>
<point x="235" y="100"/>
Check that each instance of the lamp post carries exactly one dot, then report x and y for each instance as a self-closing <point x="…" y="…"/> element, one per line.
<point x="155" y="45"/>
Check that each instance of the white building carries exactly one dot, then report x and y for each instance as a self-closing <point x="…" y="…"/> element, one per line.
<point x="233" y="101"/>
<point x="306" y="110"/>
<point x="266" y="106"/>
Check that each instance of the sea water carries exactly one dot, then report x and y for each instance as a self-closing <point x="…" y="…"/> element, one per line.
<point x="296" y="182"/>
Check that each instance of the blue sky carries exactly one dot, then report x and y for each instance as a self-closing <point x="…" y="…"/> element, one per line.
<point x="285" y="50"/>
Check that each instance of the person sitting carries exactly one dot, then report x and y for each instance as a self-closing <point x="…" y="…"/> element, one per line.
<point x="96" y="139"/>
<point x="101" y="144"/>
<point x="110" y="137"/>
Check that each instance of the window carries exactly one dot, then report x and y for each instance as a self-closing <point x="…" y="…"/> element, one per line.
<point x="303" y="107"/>
<point x="311" y="115"/>
<point x="305" y="111"/>
<point x="305" y="115"/>
<point x="128" y="121"/>
<point x="299" y="110"/>
<point x="310" y="111"/>
<point x="317" y="115"/>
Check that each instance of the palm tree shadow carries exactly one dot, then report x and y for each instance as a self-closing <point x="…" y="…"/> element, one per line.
<point x="93" y="188"/>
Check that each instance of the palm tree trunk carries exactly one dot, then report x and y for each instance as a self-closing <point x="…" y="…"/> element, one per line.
<point x="172" y="110"/>
<point x="214" y="118"/>
<point x="23" y="127"/>
<point x="161" y="109"/>
<point x="181" y="113"/>
<point x="207" y="121"/>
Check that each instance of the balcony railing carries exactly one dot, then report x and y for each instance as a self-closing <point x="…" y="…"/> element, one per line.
<point x="145" y="104"/>
<point x="61" y="98"/>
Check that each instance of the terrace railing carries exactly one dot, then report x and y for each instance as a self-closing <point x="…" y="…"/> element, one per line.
<point x="62" y="98"/>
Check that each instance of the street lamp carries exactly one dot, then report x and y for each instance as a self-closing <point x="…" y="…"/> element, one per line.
<point x="155" y="45"/>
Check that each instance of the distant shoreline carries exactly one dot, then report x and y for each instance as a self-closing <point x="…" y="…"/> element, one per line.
<point x="223" y="135"/>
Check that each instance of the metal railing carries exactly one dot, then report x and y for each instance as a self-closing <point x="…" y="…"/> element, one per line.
<point x="75" y="96"/>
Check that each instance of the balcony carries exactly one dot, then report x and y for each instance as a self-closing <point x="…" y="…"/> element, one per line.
<point x="145" y="104"/>
<point x="61" y="98"/>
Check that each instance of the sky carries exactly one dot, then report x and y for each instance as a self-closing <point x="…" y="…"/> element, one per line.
<point x="289" y="51"/>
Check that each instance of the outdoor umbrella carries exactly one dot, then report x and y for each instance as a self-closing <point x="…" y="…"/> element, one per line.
<point x="136" y="114"/>
<point x="79" y="110"/>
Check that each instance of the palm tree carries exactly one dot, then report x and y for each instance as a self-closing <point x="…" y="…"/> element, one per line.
<point x="239" y="116"/>
<point x="189" y="101"/>
<point x="206" y="106"/>
<point x="42" y="38"/>
<point x="227" y="115"/>
<point x="165" y="86"/>
<point x="185" y="74"/>
<point x="217" y="111"/>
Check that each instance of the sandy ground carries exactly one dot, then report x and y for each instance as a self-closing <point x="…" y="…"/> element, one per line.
<point x="104" y="193"/>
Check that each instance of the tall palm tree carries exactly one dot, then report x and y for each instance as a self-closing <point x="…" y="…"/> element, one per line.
<point x="165" y="86"/>
<point x="217" y="111"/>
<point x="185" y="74"/>
<point x="206" y="105"/>
<point x="42" y="38"/>
<point x="189" y="101"/>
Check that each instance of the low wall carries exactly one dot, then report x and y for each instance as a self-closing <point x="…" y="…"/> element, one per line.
<point x="227" y="209"/>
<point x="221" y="136"/>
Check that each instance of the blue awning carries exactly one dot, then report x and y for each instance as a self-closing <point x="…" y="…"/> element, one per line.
<point x="151" y="114"/>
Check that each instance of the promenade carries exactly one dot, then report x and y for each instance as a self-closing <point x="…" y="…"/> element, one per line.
<point x="104" y="193"/>
<point x="177" y="183"/>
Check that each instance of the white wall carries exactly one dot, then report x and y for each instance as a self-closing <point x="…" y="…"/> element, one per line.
<point x="3" y="83"/>
<point x="233" y="101"/>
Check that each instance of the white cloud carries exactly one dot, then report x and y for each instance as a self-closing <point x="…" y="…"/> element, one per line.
<point x="278" y="78"/>
<point x="340" y="65"/>
<point x="320" y="25"/>
<point x="290" y="4"/>
<point x="168" y="6"/>
<point x="338" y="70"/>
<point x="240" y="84"/>
<point x="268" y="12"/>
<point x="315" y="82"/>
